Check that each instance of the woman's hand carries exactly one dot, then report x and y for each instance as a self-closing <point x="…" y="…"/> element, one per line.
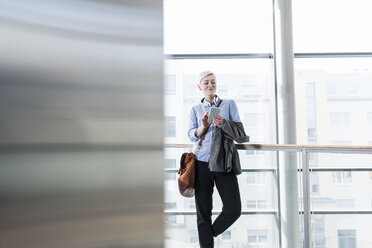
<point x="205" y="124"/>
<point x="205" y="120"/>
<point x="218" y="121"/>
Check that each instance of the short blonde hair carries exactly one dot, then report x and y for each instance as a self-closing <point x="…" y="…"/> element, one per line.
<point x="203" y="74"/>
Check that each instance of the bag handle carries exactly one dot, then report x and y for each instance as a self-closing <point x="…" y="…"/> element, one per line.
<point x="205" y="132"/>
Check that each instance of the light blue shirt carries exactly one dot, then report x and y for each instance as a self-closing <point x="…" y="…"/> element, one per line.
<point x="229" y="111"/>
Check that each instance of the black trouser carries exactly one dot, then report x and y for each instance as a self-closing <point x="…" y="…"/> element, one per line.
<point x="228" y="188"/>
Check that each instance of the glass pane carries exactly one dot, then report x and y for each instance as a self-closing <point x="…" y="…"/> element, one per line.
<point x="257" y="159"/>
<point x="342" y="190"/>
<point x="248" y="231"/>
<point x="342" y="160"/>
<point x="258" y="194"/>
<point x="181" y="230"/>
<point x="258" y="190"/>
<point x="342" y="231"/>
<point x="256" y="104"/>
<point x="332" y="26"/>
<point x="206" y="27"/>
<point x="334" y="101"/>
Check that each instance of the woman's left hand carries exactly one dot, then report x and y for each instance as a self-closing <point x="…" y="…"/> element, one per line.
<point x="218" y="121"/>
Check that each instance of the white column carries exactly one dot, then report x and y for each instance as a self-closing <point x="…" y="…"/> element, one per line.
<point x="287" y="122"/>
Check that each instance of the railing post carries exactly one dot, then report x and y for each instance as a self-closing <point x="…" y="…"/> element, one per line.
<point x="306" y="198"/>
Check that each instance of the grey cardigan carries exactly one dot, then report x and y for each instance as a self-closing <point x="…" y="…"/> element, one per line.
<point x="224" y="156"/>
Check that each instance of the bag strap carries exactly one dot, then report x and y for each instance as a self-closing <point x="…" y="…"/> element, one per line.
<point x="205" y="132"/>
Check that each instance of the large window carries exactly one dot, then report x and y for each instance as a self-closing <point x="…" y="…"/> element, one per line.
<point x="215" y="27"/>
<point x="256" y="113"/>
<point x="234" y="39"/>
<point x="333" y="98"/>
<point x="346" y="238"/>
<point x="324" y="26"/>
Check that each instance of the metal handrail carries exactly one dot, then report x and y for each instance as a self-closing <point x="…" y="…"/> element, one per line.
<point x="216" y="212"/>
<point x="282" y="146"/>
<point x="304" y="151"/>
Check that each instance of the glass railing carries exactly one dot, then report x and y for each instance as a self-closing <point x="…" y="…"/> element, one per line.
<point x="333" y="198"/>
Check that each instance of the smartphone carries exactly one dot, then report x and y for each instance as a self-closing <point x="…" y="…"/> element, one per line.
<point x="213" y="113"/>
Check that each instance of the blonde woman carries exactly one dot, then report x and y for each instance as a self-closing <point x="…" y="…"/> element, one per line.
<point x="217" y="161"/>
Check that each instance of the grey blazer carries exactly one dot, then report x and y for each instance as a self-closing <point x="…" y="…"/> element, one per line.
<point x="224" y="156"/>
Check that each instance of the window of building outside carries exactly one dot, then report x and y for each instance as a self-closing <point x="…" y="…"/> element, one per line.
<point x="255" y="152"/>
<point x="314" y="179"/>
<point x="352" y="89"/>
<point x="251" y="204"/>
<point x="313" y="160"/>
<point x="369" y="118"/>
<point x="342" y="177"/>
<point x="170" y="205"/>
<point x="171" y="219"/>
<point x="339" y="118"/>
<point x="257" y="237"/>
<point x="252" y="91"/>
<point x="311" y="113"/>
<point x="318" y="238"/>
<point x="193" y="236"/>
<point x="345" y="203"/>
<point x="341" y="85"/>
<point x="170" y="163"/>
<point x="255" y="178"/>
<point x="346" y="238"/>
<point x="170" y="84"/>
<point x="255" y="125"/>
<point x="170" y="176"/>
<point x="223" y="90"/>
<point x="331" y="89"/>
<point x="170" y="128"/>
<point x="226" y="235"/>
<point x="256" y="204"/>
<point x="254" y="120"/>
<point x="191" y="90"/>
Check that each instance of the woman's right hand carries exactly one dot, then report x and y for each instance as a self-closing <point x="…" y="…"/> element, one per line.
<point x="205" y="120"/>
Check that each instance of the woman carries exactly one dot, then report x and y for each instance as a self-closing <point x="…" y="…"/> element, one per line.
<point x="226" y="124"/>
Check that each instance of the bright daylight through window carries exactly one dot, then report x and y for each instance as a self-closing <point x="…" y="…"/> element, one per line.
<point x="333" y="106"/>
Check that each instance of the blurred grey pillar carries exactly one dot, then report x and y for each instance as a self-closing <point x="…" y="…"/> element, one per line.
<point x="81" y="124"/>
<point x="285" y="77"/>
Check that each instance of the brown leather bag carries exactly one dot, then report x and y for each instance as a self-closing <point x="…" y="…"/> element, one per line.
<point x="186" y="180"/>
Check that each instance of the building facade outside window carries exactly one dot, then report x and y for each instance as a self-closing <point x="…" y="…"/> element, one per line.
<point x="257" y="238"/>
<point x="342" y="177"/>
<point x="346" y="238"/>
<point x="256" y="204"/>
<point x="170" y="84"/>
<point x="339" y="119"/>
<point x="256" y="178"/>
<point x="170" y="128"/>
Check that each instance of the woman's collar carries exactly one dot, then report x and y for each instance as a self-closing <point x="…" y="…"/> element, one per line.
<point x="216" y="99"/>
